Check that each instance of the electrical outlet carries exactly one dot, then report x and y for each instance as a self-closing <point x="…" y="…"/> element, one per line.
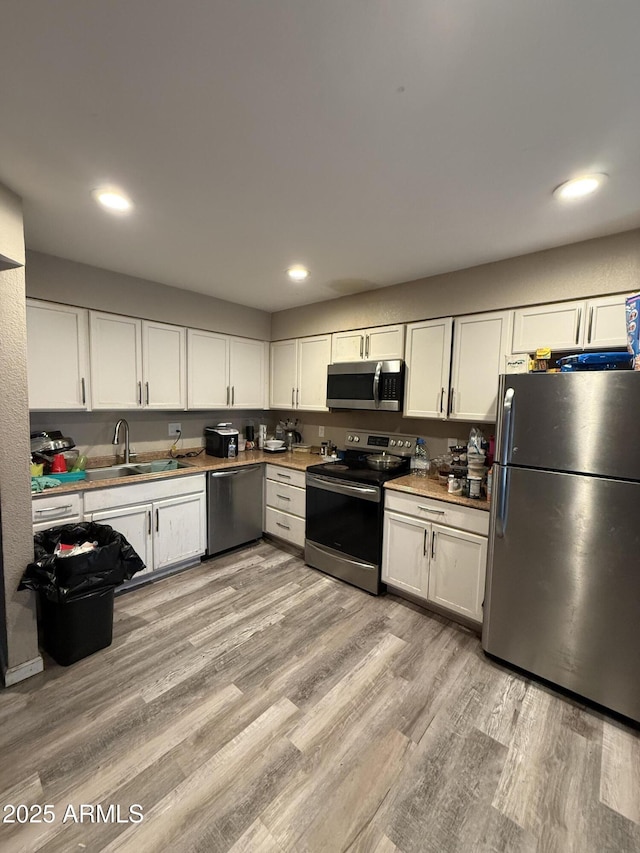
<point x="174" y="429"/>
<point x="320" y="432"/>
<point x="453" y="442"/>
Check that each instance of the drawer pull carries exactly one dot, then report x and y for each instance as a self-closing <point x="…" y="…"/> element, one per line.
<point x="285" y="476"/>
<point x="283" y="497"/>
<point x="280" y="524"/>
<point x="62" y="510"/>
<point x="428" y="509"/>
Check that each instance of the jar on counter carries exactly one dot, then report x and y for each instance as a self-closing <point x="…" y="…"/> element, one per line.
<point x="474" y="486"/>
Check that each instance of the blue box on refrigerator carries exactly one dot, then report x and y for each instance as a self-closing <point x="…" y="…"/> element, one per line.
<point x="632" y="308"/>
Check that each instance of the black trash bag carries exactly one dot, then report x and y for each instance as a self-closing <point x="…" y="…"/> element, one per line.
<point x="111" y="563"/>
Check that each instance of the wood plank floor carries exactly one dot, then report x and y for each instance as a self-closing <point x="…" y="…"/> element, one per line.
<point x="254" y="704"/>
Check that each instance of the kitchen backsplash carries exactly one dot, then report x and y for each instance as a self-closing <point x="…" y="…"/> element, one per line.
<point x="93" y="431"/>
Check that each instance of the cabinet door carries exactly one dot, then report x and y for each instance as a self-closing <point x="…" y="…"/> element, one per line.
<point x="164" y="365"/>
<point x="134" y="522"/>
<point x="314" y="354"/>
<point x="556" y="326"/>
<point x="57" y="357"/>
<point x="208" y="370"/>
<point x="480" y="344"/>
<point x="179" y="530"/>
<point x="384" y="343"/>
<point x="247" y="373"/>
<point x="116" y="361"/>
<point x="347" y="346"/>
<point x="606" y="325"/>
<point x="405" y="553"/>
<point x="428" y="359"/>
<point x="457" y="571"/>
<point x="284" y="375"/>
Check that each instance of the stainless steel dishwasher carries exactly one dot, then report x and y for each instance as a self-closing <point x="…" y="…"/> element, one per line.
<point x="234" y="507"/>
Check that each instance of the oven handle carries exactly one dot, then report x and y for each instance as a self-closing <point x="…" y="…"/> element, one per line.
<point x="365" y="493"/>
<point x="376" y="385"/>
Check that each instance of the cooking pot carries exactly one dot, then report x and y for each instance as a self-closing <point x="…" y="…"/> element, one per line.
<point x="384" y="462"/>
<point x="50" y="442"/>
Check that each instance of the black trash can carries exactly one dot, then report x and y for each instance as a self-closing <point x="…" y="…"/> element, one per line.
<point x="78" y="627"/>
<point x="76" y="591"/>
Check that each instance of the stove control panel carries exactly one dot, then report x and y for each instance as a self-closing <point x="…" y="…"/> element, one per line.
<point x="399" y="445"/>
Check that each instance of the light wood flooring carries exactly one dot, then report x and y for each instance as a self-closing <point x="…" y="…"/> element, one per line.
<point x="254" y="704"/>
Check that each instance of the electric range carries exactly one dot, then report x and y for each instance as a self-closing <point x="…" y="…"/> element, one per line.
<point x="345" y="505"/>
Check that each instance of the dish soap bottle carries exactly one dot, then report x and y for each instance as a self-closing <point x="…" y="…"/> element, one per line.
<point x="420" y="461"/>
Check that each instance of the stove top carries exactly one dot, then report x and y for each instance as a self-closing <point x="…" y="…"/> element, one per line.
<point x="359" y="445"/>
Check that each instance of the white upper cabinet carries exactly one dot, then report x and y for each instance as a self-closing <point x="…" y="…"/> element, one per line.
<point x="428" y="358"/>
<point x="377" y="344"/>
<point x="207" y="370"/>
<point x="247" y="373"/>
<point x="591" y="324"/>
<point x="57" y="357"/>
<point x="136" y="363"/>
<point x="164" y="366"/>
<point x="558" y="326"/>
<point x="116" y="361"/>
<point x="480" y="343"/>
<point x="606" y="323"/>
<point x="299" y="373"/>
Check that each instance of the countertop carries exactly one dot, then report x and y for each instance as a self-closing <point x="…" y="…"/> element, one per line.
<point x="297" y="461"/>
<point x="196" y="465"/>
<point x="429" y="488"/>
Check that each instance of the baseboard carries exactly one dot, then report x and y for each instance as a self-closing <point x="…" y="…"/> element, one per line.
<point x="13" y="674"/>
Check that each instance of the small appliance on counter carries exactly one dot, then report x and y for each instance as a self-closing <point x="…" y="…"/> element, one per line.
<point x="221" y="440"/>
<point x="53" y="447"/>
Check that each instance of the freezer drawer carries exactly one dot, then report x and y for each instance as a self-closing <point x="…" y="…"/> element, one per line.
<point x="563" y="584"/>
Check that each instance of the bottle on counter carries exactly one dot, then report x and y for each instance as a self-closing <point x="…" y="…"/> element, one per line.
<point x="232" y="449"/>
<point x="420" y="460"/>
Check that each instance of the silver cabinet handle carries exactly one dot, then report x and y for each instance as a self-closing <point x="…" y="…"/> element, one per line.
<point x="590" y="325"/>
<point x="433" y="545"/>
<point x="157" y="520"/>
<point x="139" y="393"/>
<point x="62" y="510"/>
<point x="233" y="395"/>
<point x="366" y="351"/>
<point x="149" y="523"/>
<point x="428" y="509"/>
<point x="361" y="344"/>
<point x="578" y="326"/>
<point x="293" y="398"/>
<point x="286" y="526"/>
<point x="441" y="400"/>
<point x="297" y="397"/>
<point x="283" y="497"/>
<point x="284" y="476"/>
<point x="426" y="540"/>
<point x="450" y="406"/>
<point x="227" y="395"/>
<point x="84" y="391"/>
<point x="147" y="387"/>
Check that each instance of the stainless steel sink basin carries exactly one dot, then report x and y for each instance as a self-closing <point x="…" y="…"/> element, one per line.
<point x="112" y="472"/>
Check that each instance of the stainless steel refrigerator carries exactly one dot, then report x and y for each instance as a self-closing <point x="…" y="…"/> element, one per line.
<point x="563" y="577"/>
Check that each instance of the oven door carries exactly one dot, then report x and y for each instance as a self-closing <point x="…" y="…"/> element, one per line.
<point x="345" y="517"/>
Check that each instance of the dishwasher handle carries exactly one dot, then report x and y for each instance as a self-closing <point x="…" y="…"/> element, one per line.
<point x="218" y="475"/>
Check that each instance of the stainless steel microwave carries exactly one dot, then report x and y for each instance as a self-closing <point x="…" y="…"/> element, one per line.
<point x="376" y="385"/>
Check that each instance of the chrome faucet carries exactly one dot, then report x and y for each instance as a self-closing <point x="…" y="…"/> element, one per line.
<point x="116" y="439"/>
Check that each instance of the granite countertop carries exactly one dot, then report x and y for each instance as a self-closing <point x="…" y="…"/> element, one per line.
<point x="429" y="488"/>
<point x="196" y="465"/>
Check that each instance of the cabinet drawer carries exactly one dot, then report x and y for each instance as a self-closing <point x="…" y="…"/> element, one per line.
<point x="285" y="526"/>
<point x="286" y="475"/>
<point x="56" y="509"/>
<point x="287" y="498"/>
<point x="449" y="514"/>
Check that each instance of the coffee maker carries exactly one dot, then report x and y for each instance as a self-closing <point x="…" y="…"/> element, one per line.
<point x="221" y="440"/>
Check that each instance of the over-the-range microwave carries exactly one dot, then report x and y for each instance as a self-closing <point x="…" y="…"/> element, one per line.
<point x="375" y="385"/>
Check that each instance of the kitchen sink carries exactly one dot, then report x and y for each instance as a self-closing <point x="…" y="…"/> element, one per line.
<point x="135" y="469"/>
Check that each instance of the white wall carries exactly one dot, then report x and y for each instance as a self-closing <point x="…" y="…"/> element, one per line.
<point x="19" y="635"/>
<point x="591" y="268"/>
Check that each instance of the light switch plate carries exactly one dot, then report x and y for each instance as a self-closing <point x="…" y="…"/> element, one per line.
<point x="320" y="432"/>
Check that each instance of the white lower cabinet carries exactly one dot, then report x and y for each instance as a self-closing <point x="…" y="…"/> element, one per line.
<point x="442" y="565"/>
<point x="165" y="522"/>
<point x="285" y="504"/>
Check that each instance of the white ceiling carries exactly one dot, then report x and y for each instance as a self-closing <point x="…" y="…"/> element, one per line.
<point x="375" y="141"/>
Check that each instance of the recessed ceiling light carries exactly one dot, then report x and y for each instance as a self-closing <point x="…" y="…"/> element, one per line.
<point x="579" y="187"/>
<point x="298" y="273"/>
<point x="112" y="199"/>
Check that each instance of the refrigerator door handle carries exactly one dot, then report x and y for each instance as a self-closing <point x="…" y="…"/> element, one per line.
<point x="507" y="426"/>
<point x="503" y="501"/>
